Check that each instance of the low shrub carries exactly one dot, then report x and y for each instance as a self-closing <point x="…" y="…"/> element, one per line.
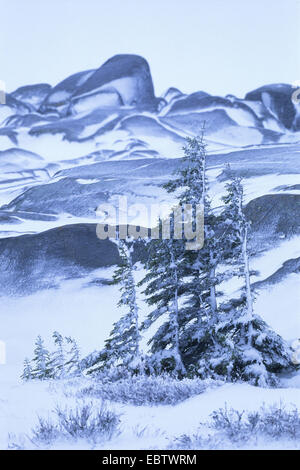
<point x="81" y="422"/>
<point x="234" y="429"/>
<point x="147" y="390"/>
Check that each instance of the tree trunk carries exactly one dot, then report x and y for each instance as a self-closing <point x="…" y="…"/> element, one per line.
<point x="179" y="362"/>
<point x="247" y="284"/>
<point x="213" y="297"/>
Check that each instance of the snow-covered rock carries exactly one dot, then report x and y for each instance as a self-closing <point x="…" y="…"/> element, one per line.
<point x="32" y="95"/>
<point x="127" y="75"/>
<point x="277" y="99"/>
<point x="59" y="97"/>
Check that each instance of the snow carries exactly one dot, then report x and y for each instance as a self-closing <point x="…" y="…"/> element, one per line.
<point x="5" y="112"/>
<point x="254" y="187"/>
<point x="102" y="99"/>
<point x="279" y="306"/>
<point x="87" y="181"/>
<point x="237" y="136"/>
<point x="23" y="318"/>
<point x="54" y="148"/>
<point x="5" y="142"/>
<point x="141" y="427"/>
<point x="186" y="417"/>
<point x="27" y="226"/>
<point x="242" y="117"/>
<point x="261" y="185"/>
<point x="59" y="96"/>
<point x="126" y="86"/>
<point x="87" y="314"/>
<point x="93" y="128"/>
<point x="269" y="262"/>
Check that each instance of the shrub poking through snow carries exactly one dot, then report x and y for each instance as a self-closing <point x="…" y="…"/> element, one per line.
<point x="85" y="421"/>
<point x="236" y="429"/>
<point x="148" y="390"/>
<point x="45" y="432"/>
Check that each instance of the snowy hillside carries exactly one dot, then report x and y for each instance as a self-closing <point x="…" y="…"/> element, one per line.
<point x="101" y="134"/>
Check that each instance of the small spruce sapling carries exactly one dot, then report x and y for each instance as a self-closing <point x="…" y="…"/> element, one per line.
<point x="41" y="361"/>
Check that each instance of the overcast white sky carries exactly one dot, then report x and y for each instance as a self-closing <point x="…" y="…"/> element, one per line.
<point x="220" y="46"/>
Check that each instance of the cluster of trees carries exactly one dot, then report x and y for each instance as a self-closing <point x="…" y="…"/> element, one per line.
<point x="63" y="362"/>
<point x="194" y="331"/>
<point x="198" y="334"/>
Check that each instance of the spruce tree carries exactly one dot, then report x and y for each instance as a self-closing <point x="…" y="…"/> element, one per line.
<point x="27" y="370"/>
<point x="57" y="358"/>
<point x="41" y="369"/>
<point x="200" y="309"/>
<point x="122" y="348"/>
<point x="72" y="363"/>
<point x="252" y="351"/>
<point x="164" y="284"/>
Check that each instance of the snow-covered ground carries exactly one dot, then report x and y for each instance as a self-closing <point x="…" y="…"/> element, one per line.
<point x="87" y="313"/>
<point x="141" y="427"/>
